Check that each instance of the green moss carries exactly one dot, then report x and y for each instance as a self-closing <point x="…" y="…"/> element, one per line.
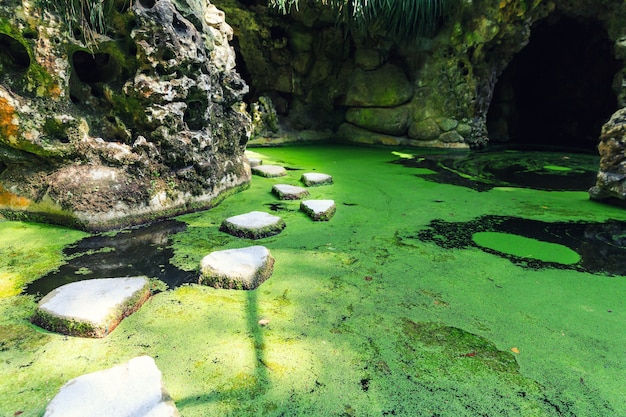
<point x="524" y="247"/>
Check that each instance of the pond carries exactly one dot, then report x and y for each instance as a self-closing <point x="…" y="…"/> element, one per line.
<point x="480" y="284"/>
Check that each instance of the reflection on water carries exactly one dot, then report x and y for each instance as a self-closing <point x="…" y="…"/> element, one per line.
<point x="138" y="251"/>
<point x="482" y="171"/>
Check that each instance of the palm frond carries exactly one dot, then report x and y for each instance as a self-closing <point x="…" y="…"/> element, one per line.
<point x="400" y="19"/>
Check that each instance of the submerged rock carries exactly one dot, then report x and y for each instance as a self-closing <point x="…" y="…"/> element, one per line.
<point x="91" y="308"/>
<point x="139" y="123"/>
<point x="133" y="389"/>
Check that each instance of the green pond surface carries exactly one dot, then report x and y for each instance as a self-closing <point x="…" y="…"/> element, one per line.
<point x="413" y="300"/>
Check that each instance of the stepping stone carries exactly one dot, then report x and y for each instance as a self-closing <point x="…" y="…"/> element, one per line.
<point x="238" y="269"/>
<point x="312" y="179"/>
<point x="253" y="225"/>
<point x="91" y="308"/>
<point x="133" y="389"/>
<point x="254" y="162"/>
<point x="269" y="171"/>
<point x="289" y="192"/>
<point x="319" y="210"/>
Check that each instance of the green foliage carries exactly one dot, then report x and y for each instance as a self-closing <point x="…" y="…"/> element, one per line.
<point x="401" y="19"/>
<point x="84" y="19"/>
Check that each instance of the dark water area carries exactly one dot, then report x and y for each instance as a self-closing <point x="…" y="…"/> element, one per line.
<point x="601" y="246"/>
<point x="138" y="251"/>
<point x="539" y="170"/>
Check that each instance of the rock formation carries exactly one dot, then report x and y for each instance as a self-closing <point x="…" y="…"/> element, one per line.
<point x="139" y="123"/>
<point x="320" y="82"/>
<point x="611" y="182"/>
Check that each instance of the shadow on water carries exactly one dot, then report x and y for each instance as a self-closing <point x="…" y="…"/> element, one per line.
<point x="482" y="171"/>
<point x="601" y="246"/>
<point x="138" y="251"/>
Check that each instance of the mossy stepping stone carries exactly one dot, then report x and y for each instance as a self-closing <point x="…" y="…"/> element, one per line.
<point x="253" y="225"/>
<point x="319" y="210"/>
<point x="269" y="171"/>
<point x="91" y="308"/>
<point x="312" y="179"/>
<point x="289" y="192"/>
<point x="240" y="269"/>
<point x="254" y="162"/>
<point x="132" y="389"/>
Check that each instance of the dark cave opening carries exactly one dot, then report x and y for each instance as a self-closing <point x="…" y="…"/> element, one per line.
<point x="93" y="68"/>
<point x="557" y="91"/>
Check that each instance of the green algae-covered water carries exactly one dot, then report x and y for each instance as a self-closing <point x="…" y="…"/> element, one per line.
<point x="411" y="301"/>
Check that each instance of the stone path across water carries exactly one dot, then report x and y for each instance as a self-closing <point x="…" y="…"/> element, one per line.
<point x="242" y="269"/>
<point x="133" y="389"/>
<point x="91" y="308"/>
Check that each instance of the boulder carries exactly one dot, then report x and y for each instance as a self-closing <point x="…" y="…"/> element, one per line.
<point x="388" y="120"/>
<point x="91" y="308"/>
<point x="386" y="86"/>
<point x="240" y="269"/>
<point x="109" y="130"/>
<point x="611" y="179"/>
<point x="289" y="192"/>
<point x="319" y="210"/>
<point x="253" y="225"/>
<point x="133" y="389"/>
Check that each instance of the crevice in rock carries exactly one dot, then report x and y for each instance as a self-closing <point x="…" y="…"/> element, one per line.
<point x="94" y="68"/>
<point x="13" y="55"/>
<point x="558" y="90"/>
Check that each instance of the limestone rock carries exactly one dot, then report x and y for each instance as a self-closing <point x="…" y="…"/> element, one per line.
<point x="289" y="192"/>
<point x="91" y="308"/>
<point x="255" y="162"/>
<point x="312" y="179"/>
<point x="387" y="86"/>
<point x="611" y="180"/>
<point x="242" y="269"/>
<point x="253" y="225"/>
<point x="391" y="121"/>
<point x="133" y="389"/>
<point x="141" y="123"/>
<point x="319" y="210"/>
<point x="269" y="171"/>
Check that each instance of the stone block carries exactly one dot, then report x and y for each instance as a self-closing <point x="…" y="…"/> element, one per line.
<point x="289" y="192"/>
<point x="241" y="269"/>
<point x="253" y="225"/>
<point x="319" y="210"/>
<point x="312" y="179"/>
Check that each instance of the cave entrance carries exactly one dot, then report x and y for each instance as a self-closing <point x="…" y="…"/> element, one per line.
<point x="557" y="91"/>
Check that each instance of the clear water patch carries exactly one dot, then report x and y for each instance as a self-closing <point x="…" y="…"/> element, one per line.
<point x="131" y="252"/>
<point x="583" y="246"/>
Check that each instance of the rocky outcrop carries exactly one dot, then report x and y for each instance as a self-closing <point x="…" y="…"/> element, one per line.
<point x="306" y="74"/>
<point x="143" y="122"/>
<point x="611" y="181"/>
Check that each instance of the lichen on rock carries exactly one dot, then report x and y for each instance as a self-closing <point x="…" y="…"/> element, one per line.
<point x="145" y="122"/>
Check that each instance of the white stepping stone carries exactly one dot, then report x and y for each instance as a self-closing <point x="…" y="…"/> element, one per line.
<point x="319" y="210"/>
<point x="253" y="225"/>
<point x="269" y="171"/>
<point x="133" y="389"/>
<point x="289" y="192"/>
<point x="255" y="162"/>
<point x="239" y="269"/>
<point x="311" y="179"/>
<point x="91" y="308"/>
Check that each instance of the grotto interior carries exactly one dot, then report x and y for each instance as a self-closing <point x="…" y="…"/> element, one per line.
<point x="558" y="90"/>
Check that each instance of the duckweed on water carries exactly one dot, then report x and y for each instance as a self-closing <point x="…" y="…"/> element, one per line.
<point x="363" y="317"/>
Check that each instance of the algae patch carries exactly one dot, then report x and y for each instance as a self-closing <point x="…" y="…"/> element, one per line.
<point x="525" y="247"/>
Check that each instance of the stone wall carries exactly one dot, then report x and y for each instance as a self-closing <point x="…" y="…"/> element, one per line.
<point x="324" y="84"/>
<point x="143" y="122"/>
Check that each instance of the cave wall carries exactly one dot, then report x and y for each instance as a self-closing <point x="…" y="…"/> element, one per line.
<point x="309" y="80"/>
<point x="139" y="123"/>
